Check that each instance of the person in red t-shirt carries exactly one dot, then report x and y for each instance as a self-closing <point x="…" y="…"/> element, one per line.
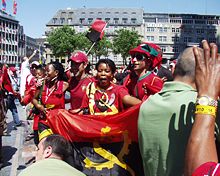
<point x="104" y="97"/>
<point x="201" y="154"/>
<point x="80" y="79"/>
<point x="143" y="82"/>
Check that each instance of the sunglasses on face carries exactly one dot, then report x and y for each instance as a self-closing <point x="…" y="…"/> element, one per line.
<point x="138" y="56"/>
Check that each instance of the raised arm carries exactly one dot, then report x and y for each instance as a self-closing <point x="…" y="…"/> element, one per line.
<point x="201" y="145"/>
<point x="32" y="55"/>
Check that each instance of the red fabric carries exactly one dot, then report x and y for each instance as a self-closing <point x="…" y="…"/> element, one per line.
<point x="35" y="122"/>
<point x="15" y="7"/>
<point x="112" y="96"/>
<point x="143" y="88"/>
<point x="30" y="82"/>
<point x="209" y="168"/>
<point x="6" y="80"/>
<point x="77" y="91"/>
<point x="87" y="128"/>
<point x="99" y="26"/>
<point x="56" y="98"/>
<point x="147" y="49"/>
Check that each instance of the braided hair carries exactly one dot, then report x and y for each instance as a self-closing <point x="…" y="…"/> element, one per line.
<point x="59" y="67"/>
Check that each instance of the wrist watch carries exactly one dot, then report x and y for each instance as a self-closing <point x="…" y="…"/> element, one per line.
<point x="206" y="101"/>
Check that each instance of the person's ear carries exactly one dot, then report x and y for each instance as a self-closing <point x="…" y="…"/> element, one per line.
<point x="48" y="152"/>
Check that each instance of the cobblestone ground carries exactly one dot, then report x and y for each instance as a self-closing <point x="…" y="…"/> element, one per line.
<point x="17" y="152"/>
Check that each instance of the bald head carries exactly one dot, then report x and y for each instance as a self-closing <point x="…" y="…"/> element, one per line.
<point x="185" y="66"/>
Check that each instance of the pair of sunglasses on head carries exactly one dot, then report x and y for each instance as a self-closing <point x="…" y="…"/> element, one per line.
<point x="139" y="56"/>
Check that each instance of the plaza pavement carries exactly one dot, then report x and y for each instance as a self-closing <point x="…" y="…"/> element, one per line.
<point x="17" y="152"/>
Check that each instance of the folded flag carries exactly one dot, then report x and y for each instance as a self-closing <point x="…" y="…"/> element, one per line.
<point x="102" y="145"/>
<point x="15" y="7"/>
<point x="96" y="31"/>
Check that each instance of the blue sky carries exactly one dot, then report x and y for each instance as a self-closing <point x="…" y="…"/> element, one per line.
<point x="34" y="14"/>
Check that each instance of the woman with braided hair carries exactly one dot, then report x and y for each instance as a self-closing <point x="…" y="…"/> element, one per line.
<point x="50" y="93"/>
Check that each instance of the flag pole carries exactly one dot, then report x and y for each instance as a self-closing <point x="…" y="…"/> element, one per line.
<point x="95" y="42"/>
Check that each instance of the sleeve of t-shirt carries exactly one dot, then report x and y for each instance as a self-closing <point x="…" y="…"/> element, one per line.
<point x="209" y="168"/>
<point x="122" y="91"/>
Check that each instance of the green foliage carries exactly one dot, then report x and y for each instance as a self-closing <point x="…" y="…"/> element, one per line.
<point x="124" y="41"/>
<point x="102" y="48"/>
<point x="62" y="41"/>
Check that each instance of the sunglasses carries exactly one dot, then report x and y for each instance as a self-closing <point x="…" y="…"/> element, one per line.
<point x="138" y="56"/>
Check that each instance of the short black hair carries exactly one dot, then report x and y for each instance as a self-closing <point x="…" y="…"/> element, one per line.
<point x="60" y="146"/>
<point x="108" y="62"/>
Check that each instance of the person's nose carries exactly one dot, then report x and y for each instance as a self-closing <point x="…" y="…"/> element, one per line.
<point x="133" y="60"/>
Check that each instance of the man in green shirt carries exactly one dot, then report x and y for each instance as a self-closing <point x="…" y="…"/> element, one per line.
<point x="165" y="121"/>
<point x="51" y="155"/>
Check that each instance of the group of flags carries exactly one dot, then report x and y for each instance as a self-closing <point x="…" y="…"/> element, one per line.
<point x="14" y="7"/>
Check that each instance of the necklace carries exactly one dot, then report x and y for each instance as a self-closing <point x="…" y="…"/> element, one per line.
<point x="49" y="92"/>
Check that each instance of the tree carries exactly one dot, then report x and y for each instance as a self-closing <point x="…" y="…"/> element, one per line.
<point x="62" y="41"/>
<point x="124" y="41"/>
<point x="102" y="47"/>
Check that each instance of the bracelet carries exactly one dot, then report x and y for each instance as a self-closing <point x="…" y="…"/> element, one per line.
<point x="204" y="109"/>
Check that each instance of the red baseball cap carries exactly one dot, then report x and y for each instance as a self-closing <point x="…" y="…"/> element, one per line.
<point x="151" y="50"/>
<point x="78" y="57"/>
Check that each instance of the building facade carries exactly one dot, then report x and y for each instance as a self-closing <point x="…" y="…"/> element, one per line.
<point x="10" y="33"/>
<point x="172" y="32"/>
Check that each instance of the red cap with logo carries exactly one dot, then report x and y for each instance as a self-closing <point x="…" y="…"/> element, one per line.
<point x="78" y="57"/>
<point x="151" y="50"/>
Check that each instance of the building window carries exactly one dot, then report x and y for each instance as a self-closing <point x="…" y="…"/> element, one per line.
<point x="212" y="40"/>
<point x="150" y="29"/>
<point x="99" y="13"/>
<point x="62" y="20"/>
<point x="116" y="12"/>
<point x="175" y="21"/>
<point x="63" y="13"/>
<point x="162" y="38"/>
<point x="107" y="19"/>
<point x="83" y="13"/>
<point x="124" y="20"/>
<point x="116" y="20"/>
<point x="91" y="12"/>
<point x="200" y="22"/>
<point x="82" y="20"/>
<point x="162" y="20"/>
<point x="54" y="20"/>
<point x="175" y="39"/>
<point x="70" y="20"/>
<point x="200" y="31"/>
<point x="150" y="38"/>
<point x="125" y="12"/>
<point x="133" y="20"/>
<point x="175" y="49"/>
<point x="90" y="20"/>
<point x="163" y="48"/>
<point x="108" y="12"/>
<point x="133" y="13"/>
<point x="173" y="30"/>
<point x="150" y="20"/>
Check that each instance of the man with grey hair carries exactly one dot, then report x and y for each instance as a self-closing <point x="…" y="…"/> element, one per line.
<point x="165" y="121"/>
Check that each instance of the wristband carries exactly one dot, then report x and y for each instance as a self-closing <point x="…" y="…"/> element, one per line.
<point x="208" y="110"/>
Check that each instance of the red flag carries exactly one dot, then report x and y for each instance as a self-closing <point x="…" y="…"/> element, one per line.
<point x="3" y="5"/>
<point x="96" y="31"/>
<point x="14" y="7"/>
<point x="102" y="145"/>
<point x="6" y="80"/>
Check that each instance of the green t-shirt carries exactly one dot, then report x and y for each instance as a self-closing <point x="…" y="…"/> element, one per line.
<point x="164" y="125"/>
<point x="51" y="167"/>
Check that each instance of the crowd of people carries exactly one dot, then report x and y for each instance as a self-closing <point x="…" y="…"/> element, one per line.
<point x="173" y="101"/>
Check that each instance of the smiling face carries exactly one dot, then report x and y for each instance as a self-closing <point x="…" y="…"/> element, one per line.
<point x="104" y="75"/>
<point x="140" y="62"/>
<point x="51" y="73"/>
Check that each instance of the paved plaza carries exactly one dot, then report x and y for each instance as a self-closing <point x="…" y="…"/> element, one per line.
<point x="17" y="152"/>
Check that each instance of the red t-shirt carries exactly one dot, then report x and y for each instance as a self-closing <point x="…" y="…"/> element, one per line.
<point x="209" y="168"/>
<point x="144" y="86"/>
<point x="104" y="102"/>
<point x="54" y="98"/>
<point x="77" y="91"/>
